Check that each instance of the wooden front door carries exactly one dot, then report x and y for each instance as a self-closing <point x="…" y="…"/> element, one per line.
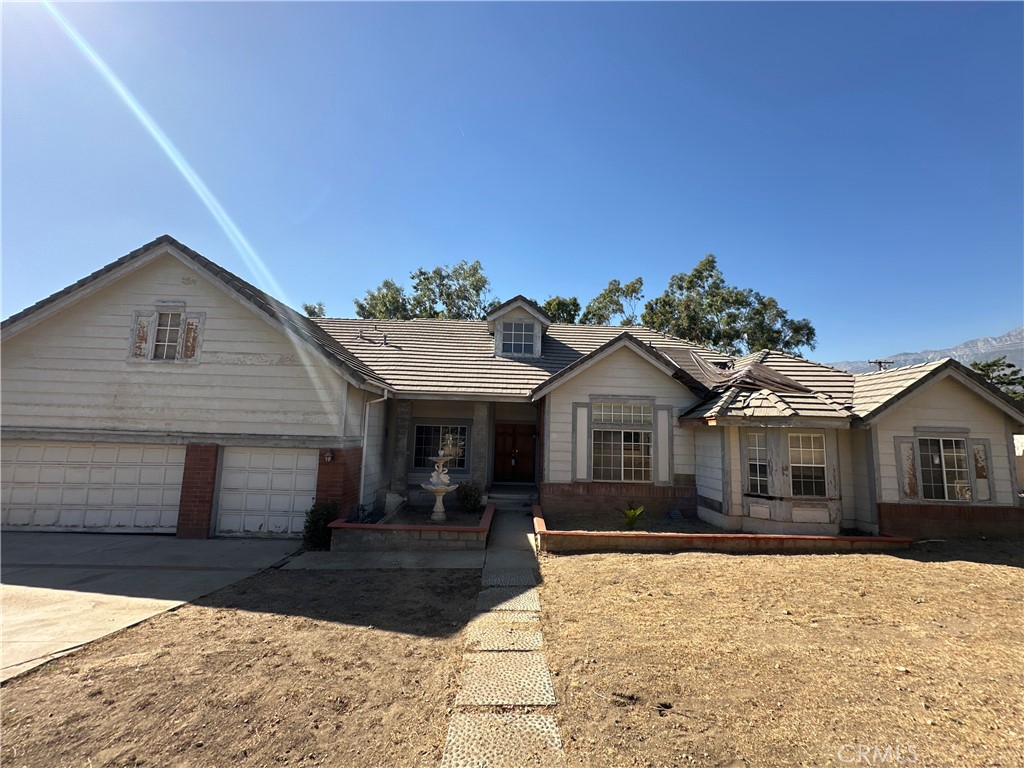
<point x="514" y="447"/>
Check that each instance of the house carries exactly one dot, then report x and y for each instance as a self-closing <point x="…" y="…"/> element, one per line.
<point x="164" y="394"/>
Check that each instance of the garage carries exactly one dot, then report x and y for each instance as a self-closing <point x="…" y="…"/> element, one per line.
<point x="99" y="487"/>
<point x="265" y="491"/>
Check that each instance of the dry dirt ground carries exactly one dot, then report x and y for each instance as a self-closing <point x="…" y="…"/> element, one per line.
<point x="355" y="669"/>
<point x="717" y="660"/>
<point x="658" y="660"/>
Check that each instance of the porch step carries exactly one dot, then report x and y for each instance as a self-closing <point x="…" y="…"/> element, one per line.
<point x="505" y="500"/>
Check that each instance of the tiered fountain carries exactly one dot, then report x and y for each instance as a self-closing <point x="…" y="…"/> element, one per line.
<point x="440" y="483"/>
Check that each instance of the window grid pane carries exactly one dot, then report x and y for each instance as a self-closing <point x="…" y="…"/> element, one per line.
<point x="168" y="325"/>
<point x="428" y="441"/>
<point x="757" y="463"/>
<point x="622" y="455"/>
<point x="807" y="464"/>
<point x="517" y="337"/>
<point x="944" y="469"/>
<point x="623" y="413"/>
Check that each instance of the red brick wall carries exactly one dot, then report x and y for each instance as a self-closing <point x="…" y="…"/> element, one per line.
<point x="198" y="486"/>
<point x="942" y="520"/>
<point x="593" y="505"/>
<point x="338" y="481"/>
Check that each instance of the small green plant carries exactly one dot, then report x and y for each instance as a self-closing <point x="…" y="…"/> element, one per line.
<point x="315" y="533"/>
<point x="632" y="513"/>
<point x="469" y="496"/>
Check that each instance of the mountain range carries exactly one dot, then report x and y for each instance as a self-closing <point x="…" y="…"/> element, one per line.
<point x="1010" y="344"/>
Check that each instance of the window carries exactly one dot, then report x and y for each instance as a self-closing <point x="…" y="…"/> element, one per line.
<point x="517" y="337"/>
<point x="757" y="463"/>
<point x="944" y="469"/>
<point x="168" y="329"/>
<point x="166" y="333"/>
<point x="807" y="464"/>
<point x="428" y="441"/>
<point x="623" y="453"/>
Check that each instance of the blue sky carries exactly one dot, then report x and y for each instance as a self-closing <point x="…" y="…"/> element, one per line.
<point x="863" y="163"/>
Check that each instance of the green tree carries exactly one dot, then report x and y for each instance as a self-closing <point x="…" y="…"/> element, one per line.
<point x="1004" y="374"/>
<point x="617" y="300"/>
<point x="460" y="292"/>
<point x="385" y="302"/>
<point x="701" y="307"/>
<point x="314" y="310"/>
<point x="562" y="309"/>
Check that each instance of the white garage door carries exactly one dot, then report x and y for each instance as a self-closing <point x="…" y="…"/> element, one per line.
<point x="101" y="487"/>
<point x="265" y="490"/>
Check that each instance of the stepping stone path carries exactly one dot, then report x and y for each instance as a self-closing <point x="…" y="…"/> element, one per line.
<point x="505" y="667"/>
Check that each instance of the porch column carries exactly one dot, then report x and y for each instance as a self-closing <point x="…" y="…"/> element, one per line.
<point x="198" y="488"/>
<point x="480" y="445"/>
<point x="400" y="448"/>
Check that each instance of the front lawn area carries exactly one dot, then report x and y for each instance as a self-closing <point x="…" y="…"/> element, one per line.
<point x="309" y="668"/>
<point x="718" y="660"/>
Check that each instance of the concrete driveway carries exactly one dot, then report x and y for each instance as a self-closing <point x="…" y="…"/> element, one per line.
<point x="62" y="590"/>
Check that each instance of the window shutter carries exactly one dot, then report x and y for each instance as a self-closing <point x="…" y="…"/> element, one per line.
<point x="581" y="442"/>
<point x="979" y="461"/>
<point x="190" y="336"/>
<point x="906" y="459"/>
<point x="139" y="342"/>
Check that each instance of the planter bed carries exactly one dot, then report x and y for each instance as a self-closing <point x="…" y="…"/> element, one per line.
<point x="557" y="542"/>
<point x="411" y="536"/>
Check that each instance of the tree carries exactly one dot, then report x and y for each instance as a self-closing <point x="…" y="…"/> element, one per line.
<point x="314" y="310"/>
<point x="461" y="292"/>
<point x="701" y="307"/>
<point x="561" y="309"/>
<point x="1005" y="375"/>
<point x="617" y="300"/>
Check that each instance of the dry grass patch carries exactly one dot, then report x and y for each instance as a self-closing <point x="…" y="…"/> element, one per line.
<point x="718" y="660"/>
<point x="354" y="669"/>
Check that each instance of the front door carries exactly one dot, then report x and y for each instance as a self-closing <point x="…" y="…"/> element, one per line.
<point x="514" y="447"/>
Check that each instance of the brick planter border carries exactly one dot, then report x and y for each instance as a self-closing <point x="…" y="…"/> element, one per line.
<point x="373" y="536"/>
<point x="568" y="542"/>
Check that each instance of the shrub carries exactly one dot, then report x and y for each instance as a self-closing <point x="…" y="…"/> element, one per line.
<point x="632" y="514"/>
<point x="316" y="534"/>
<point x="469" y="496"/>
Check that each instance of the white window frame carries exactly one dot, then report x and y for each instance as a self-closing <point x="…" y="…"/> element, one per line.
<point x="813" y="438"/>
<point x="629" y="425"/>
<point x="511" y="331"/>
<point x="758" y="483"/>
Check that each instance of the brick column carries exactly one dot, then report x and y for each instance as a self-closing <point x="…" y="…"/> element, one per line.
<point x="198" y="486"/>
<point x="400" y="449"/>
<point x="480" y="445"/>
<point x="338" y="479"/>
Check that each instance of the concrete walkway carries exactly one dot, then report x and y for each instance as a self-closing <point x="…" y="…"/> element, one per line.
<point x="504" y="663"/>
<point x="63" y="590"/>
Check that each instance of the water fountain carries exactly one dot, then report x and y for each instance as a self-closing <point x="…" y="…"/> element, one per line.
<point x="440" y="483"/>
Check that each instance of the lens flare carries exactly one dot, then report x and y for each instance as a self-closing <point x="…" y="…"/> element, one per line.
<point x="264" y="278"/>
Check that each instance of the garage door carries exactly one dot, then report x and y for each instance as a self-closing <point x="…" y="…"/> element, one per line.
<point x="265" y="491"/>
<point x="102" y="487"/>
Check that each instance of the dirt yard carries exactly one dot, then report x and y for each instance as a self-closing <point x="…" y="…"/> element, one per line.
<point x="353" y="669"/>
<point x="717" y="660"/>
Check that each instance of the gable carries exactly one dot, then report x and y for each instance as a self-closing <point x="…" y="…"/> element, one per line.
<point x="72" y="368"/>
<point x="624" y="371"/>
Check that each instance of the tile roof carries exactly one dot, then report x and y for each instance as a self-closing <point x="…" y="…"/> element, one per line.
<point x="456" y="357"/>
<point x="875" y="390"/>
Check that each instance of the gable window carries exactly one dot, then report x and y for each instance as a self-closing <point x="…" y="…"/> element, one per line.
<point x="166" y="333"/>
<point x="429" y="439"/>
<point x="807" y="464"/>
<point x="168" y="329"/>
<point x="757" y="463"/>
<point x="944" y="468"/>
<point x="517" y="337"/>
<point x="622" y="441"/>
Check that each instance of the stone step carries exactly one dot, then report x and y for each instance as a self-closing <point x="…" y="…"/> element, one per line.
<point x="503" y="741"/>
<point x="519" y="678"/>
